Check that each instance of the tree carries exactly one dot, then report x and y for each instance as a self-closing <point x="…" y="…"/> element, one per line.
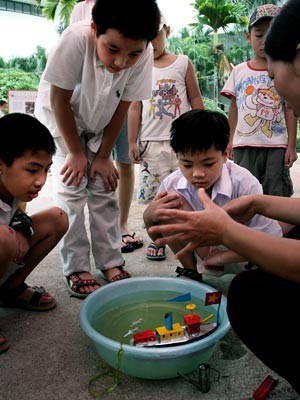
<point x="35" y="63"/>
<point x="219" y="14"/>
<point x="58" y="11"/>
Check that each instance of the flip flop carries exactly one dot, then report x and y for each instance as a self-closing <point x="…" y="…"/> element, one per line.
<point x="126" y="247"/>
<point x="136" y="243"/>
<point x="73" y="283"/>
<point x="156" y="257"/>
<point x="9" y="299"/>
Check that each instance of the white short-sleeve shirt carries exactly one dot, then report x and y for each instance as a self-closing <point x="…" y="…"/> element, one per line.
<point x="74" y="65"/>
<point x="261" y="119"/>
<point x="82" y="11"/>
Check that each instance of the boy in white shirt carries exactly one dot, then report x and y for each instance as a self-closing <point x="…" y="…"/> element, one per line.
<point x="130" y="242"/>
<point x="92" y="75"/>
<point x="25" y="158"/>
<point x="200" y="139"/>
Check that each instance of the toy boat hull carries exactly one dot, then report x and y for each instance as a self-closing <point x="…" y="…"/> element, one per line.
<point x="206" y="330"/>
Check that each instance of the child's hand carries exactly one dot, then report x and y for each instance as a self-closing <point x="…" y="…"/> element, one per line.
<point x="134" y="154"/>
<point x="163" y="200"/>
<point x="108" y="172"/>
<point x="75" y="169"/>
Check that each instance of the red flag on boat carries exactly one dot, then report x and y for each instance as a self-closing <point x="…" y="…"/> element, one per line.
<point x="213" y="298"/>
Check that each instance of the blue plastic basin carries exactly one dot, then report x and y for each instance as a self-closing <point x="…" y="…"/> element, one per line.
<point x="151" y="363"/>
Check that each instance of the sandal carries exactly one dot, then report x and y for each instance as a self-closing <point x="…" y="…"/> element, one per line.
<point x="122" y="275"/>
<point x="126" y="247"/>
<point x="189" y="273"/>
<point x="4" y="345"/>
<point x="135" y="243"/>
<point x="9" y="298"/>
<point x="74" y="283"/>
<point x="156" y="257"/>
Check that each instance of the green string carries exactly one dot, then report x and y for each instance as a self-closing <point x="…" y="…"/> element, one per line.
<point x="107" y="371"/>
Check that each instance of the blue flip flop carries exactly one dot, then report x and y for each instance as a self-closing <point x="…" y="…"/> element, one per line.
<point x="156" y="257"/>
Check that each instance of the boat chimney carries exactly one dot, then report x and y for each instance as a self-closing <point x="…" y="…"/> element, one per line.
<point x="169" y="321"/>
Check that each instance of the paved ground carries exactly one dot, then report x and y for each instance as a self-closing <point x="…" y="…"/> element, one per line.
<point x="51" y="358"/>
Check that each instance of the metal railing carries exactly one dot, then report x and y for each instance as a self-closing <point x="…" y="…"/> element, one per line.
<point x="19" y="7"/>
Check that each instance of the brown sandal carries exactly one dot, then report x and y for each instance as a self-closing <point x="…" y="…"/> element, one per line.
<point x="9" y="298"/>
<point x="74" y="283"/>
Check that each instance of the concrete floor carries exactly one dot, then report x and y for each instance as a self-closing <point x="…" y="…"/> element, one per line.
<point x="51" y="358"/>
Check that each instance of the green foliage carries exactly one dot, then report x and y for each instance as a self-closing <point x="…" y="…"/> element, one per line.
<point x="209" y="105"/>
<point x="34" y="63"/>
<point x="2" y="63"/>
<point x="298" y="138"/>
<point x="219" y="13"/>
<point x="58" y="11"/>
<point x="15" y="79"/>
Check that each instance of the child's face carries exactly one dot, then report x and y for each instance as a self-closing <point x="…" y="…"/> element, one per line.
<point x="159" y="42"/>
<point x="25" y="177"/>
<point x="117" y="52"/>
<point x="257" y="38"/>
<point x="202" y="169"/>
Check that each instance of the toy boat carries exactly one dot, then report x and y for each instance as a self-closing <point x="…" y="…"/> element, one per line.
<point x="172" y="334"/>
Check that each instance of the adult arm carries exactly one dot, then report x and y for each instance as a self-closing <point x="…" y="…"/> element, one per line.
<point x="214" y="226"/>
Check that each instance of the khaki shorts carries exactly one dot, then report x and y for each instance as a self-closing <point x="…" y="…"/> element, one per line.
<point x="159" y="160"/>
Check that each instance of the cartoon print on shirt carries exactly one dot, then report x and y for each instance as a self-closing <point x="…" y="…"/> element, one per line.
<point x="149" y="184"/>
<point x="267" y="106"/>
<point x="152" y="107"/>
<point x="177" y="102"/>
<point x="165" y="100"/>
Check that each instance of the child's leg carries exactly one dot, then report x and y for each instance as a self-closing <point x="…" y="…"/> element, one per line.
<point x="75" y="245"/>
<point x="7" y="246"/>
<point x="105" y="231"/>
<point x="125" y="168"/>
<point x="49" y="226"/>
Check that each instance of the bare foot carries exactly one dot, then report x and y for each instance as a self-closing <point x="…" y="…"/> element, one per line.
<point x="116" y="274"/>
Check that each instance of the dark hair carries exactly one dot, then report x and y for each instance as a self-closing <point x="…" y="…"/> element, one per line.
<point x="134" y="19"/>
<point x="2" y="102"/>
<point x="198" y="130"/>
<point x="284" y="33"/>
<point x="20" y="133"/>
